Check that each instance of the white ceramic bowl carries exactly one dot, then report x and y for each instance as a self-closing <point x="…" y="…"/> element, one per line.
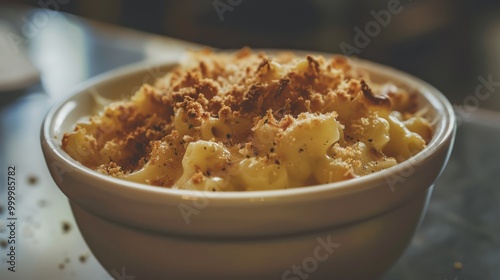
<point x="348" y="230"/>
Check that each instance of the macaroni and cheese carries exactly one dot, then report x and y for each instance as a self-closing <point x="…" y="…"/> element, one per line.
<point x="251" y="121"/>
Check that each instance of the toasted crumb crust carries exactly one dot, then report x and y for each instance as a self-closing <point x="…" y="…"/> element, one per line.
<point x="246" y="90"/>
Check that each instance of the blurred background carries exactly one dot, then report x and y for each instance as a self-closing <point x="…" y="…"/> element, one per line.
<point x="444" y="42"/>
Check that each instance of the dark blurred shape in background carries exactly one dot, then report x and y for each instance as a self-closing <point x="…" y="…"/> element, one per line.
<point x="446" y="43"/>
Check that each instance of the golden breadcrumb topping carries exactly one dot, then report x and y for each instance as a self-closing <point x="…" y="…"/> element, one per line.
<point x="252" y="121"/>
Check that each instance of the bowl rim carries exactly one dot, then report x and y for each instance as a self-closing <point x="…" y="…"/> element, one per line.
<point x="445" y="132"/>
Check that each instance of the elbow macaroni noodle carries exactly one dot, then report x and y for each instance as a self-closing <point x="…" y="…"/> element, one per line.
<point x="247" y="121"/>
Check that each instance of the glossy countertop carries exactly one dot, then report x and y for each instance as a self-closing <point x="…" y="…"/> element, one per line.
<point x="458" y="239"/>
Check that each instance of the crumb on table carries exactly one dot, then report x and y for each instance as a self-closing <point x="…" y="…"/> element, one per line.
<point x="66" y="227"/>
<point x="32" y="179"/>
<point x="83" y="257"/>
<point x="42" y="203"/>
<point x="458" y="265"/>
